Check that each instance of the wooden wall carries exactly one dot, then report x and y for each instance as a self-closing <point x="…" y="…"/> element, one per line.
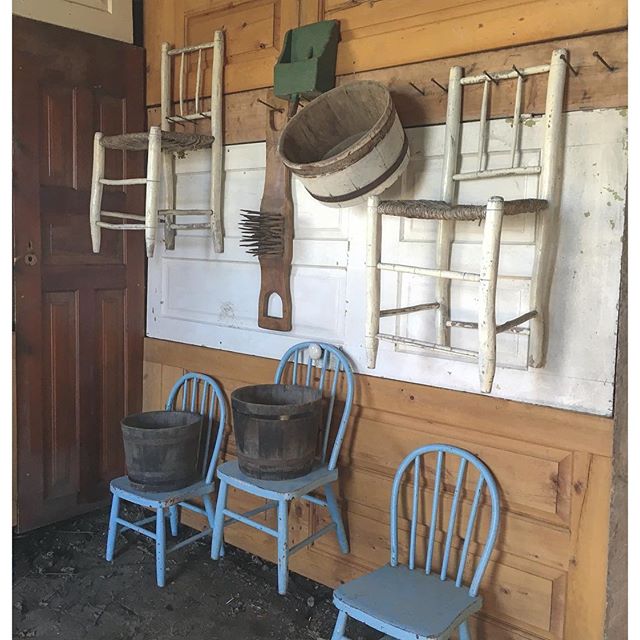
<point x="374" y="34"/>
<point x="547" y="576"/>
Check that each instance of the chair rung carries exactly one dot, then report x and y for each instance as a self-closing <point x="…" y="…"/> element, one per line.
<point x="195" y="47"/>
<point x="190" y="539"/>
<point x="185" y="225"/>
<point x="436" y="273"/>
<point x="131" y="525"/>
<point x="122" y="227"/>
<point x="192" y="507"/>
<point x="319" y="501"/>
<point x="123" y="216"/>
<point x="251" y="523"/>
<point x="412" y="309"/>
<point x="185" y="212"/>
<point x="512" y="325"/>
<point x="303" y="543"/>
<point x="124" y="181"/>
<point x="497" y="173"/>
<point x="506" y="75"/>
<point x="429" y="346"/>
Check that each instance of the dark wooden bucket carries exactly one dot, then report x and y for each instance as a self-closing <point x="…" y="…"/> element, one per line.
<point x="276" y="428"/>
<point x="161" y="449"/>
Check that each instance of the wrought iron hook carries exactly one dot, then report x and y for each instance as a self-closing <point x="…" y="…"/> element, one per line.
<point x="604" y="62"/>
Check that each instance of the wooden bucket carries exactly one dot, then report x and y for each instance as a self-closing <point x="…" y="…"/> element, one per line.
<point x="346" y="144"/>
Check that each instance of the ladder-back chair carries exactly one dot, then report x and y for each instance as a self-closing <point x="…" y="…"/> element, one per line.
<point x="196" y="393"/>
<point x="161" y="143"/>
<point x="410" y="603"/>
<point x="320" y="365"/>
<point x="447" y="211"/>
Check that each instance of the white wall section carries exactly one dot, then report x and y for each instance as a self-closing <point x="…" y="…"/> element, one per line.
<point x="198" y="297"/>
<point x="108" y="18"/>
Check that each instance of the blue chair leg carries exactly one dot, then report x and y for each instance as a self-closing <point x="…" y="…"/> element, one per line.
<point x="218" y="521"/>
<point x="113" y="528"/>
<point x="283" y="547"/>
<point x="208" y="507"/>
<point x="174" y="519"/>
<point x="336" y="516"/>
<point x="341" y="625"/>
<point x="160" y="546"/>
<point x="463" y="631"/>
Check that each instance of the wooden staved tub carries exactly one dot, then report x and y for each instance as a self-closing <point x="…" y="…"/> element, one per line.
<point x="347" y="144"/>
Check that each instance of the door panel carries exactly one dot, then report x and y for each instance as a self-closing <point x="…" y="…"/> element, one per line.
<point x="78" y="316"/>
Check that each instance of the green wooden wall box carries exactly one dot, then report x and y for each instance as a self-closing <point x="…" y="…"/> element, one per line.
<point x="307" y="63"/>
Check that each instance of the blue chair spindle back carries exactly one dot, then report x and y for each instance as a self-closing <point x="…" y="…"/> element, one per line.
<point x="327" y="381"/>
<point x="201" y="394"/>
<point x="485" y="478"/>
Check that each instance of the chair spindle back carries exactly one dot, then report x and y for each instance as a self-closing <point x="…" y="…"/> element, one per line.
<point x="201" y="394"/>
<point x="485" y="480"/>
<point x="184" y="115"/>
<point x="325" y="365"/>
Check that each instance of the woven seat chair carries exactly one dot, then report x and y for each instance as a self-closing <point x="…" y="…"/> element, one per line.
<point x="161" y="143"/>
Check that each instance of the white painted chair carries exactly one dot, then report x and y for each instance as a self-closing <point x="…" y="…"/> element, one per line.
<point x="447" y="211"/>
<point x="161" y="143"/>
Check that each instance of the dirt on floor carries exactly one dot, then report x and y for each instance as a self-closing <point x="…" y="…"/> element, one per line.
<point x="64" y="588"/>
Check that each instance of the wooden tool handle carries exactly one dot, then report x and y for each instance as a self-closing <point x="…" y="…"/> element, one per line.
<point x="275" y="271"/>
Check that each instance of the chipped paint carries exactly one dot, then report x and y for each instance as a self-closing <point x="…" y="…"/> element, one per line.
<point x="615" y="194"/>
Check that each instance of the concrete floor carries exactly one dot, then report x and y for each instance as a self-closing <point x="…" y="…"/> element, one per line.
<point x="63" y="588"/>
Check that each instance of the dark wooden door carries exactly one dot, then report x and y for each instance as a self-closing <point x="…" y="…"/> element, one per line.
<point x="79" y="317"/>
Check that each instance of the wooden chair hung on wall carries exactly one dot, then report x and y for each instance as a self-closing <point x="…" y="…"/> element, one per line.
<point x="331" y="372"/>
<point x="447" y="211"/>
<point x="196" y="393"/>
<point x="161" y="144"/>
<point x="409" y="602"/>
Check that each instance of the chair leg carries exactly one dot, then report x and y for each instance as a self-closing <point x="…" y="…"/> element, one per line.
<point x="95" y="204"/>
<point x="336" y="516"/>
<point x="218" y="521"/>
<point x="208" y="507"/>
<point x="112" y="531"/>
<point x="340" y="628"/>
<point x="174" y="519"/>
<point x="160" y="546"/>
<point x="487" y="294"/>
<point x="463" y="631"/>
<point x="283" y="548"/>
<point x="153" y="182"/>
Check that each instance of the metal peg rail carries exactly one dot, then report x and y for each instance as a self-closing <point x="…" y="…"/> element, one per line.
<point x="447" y="212"/>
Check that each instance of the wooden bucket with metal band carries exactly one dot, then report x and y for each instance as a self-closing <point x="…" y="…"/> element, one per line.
<point x="347" y="144"/>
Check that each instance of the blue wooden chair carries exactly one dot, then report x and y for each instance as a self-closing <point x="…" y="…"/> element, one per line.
<point x="200" y="394"/>
<point x="325" y="364"/>
<point x="412" y="604"/>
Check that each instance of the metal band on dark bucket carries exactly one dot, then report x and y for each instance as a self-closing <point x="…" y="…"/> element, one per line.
<point x="372" y="185"/>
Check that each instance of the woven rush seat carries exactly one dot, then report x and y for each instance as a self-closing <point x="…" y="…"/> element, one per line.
<point x="439" y="210"/>
<point x="170" y="141"/>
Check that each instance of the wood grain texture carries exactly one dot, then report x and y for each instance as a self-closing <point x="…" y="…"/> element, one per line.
<point x="593" y="88"/>
<point x="79" y="316"/>
<point x="374" y="35"/>
<point x="546" y="578"/>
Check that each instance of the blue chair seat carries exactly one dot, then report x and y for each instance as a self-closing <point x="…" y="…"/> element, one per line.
<point x="123" y="487"/>
<point x="319" y="476"/>
<point x="407" y="603"/>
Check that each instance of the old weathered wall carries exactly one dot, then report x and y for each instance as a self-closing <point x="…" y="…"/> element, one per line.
<point x="548" y="575"/>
